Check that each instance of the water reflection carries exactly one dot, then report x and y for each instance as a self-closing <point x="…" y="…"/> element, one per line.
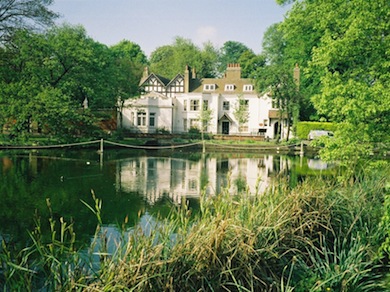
<point x="129" y="184"/>
<point x="178" y="178"/>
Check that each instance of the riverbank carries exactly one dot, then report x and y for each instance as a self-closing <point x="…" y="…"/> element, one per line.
<point x="164" y="141"/>
<point x="322" y="235"/>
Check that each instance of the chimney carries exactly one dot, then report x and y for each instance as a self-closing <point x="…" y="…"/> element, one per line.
<point x="145" y="74"/>
<point x="193" y="73"/>
<point x="187" y="77"/>
<point x="233" y="71"/>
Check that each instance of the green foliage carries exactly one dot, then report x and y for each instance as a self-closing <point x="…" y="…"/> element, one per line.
<point x="241" y="112"/>
<point x="347" y="71"/>
<point x="45" y="79"/>
<point x="320" y="236"/>
<point x="231" y="53"/>
<point x="162" y="131"/>
<point x="385" y="223"/>
<point x="303" y="128"/>
<point x="169" y="60"/>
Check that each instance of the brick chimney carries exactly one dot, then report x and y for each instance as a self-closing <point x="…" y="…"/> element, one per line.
<point x="233" y="71"/>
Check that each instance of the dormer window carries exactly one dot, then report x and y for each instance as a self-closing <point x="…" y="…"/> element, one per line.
<point x="209" y="87"/>
<point x="248" y="87"/>
<point x="229" y="87"/>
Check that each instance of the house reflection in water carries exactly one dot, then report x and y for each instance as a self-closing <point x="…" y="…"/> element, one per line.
<point x="156" y="177"/>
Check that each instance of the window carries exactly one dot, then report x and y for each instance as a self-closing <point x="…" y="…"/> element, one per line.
<point x="226" y="105"/>
<point x="152" y="119"/>
<point x="185" y="127"/>
<point x="229" y="87"/>
<point x="209" y="87"/>
<point x="185" y="105"/>
<point x="205" y="105"/>
<point x="194" y="105"/>
<point x="192" y="184"/>
<point x="141" y="118"/>
<point x="248" y="87"/>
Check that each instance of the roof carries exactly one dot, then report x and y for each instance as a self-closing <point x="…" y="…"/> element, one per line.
<point x="164" y="81"/>
<point x="225" y="116"/>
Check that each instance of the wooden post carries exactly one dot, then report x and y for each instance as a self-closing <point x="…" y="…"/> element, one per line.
<point x="301" y="153"/>
<point x="101" y="145"/>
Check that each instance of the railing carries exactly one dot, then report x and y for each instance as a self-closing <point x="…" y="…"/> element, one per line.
<point x="203" y="144"/>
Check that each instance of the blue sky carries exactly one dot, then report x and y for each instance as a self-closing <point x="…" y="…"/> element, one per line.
<point x="154" y="23"/>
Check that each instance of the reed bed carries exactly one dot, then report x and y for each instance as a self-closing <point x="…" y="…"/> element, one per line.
<point x="322" y="235"/>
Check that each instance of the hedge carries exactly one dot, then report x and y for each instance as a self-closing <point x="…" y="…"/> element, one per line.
<point x="303" y="128"/>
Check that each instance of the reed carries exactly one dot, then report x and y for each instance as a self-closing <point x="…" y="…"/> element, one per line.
<point x="321" y="235"/>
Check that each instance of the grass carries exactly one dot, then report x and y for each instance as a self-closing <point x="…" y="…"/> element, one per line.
<point x="322" y="235"/>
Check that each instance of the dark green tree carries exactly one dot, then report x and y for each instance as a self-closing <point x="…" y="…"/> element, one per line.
<point x="66" y="64"/>
<point x="230" y="53"/>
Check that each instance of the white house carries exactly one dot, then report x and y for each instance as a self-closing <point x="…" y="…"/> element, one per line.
<point x="176" y="105"/>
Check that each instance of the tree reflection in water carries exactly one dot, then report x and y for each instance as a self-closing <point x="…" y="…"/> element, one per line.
<point x="130" y="185"/>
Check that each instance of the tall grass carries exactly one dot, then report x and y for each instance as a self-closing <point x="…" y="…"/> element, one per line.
<point x="322" y="235"/>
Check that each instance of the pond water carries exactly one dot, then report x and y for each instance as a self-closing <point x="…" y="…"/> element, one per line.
<point x="135" y="185"/>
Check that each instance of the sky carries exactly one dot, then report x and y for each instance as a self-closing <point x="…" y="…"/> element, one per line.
<point x="155" y="23"/>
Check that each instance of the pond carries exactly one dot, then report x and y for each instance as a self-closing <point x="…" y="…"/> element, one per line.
<point x="133" y="185"/>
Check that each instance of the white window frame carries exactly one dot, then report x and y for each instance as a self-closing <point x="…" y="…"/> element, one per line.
<point x="248" y="87"/>
<point x="209" y="87"/>
<point x="229" y="87"/>
<point x="141" y="118"/>
<point x="194" y="105"/>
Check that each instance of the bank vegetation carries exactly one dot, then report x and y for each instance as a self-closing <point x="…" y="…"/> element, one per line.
<point x="326" y="234"/>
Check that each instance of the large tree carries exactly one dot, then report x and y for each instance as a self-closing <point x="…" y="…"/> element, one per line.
<point x="282" y="52"/>
<point x="24" y="14"/>
<point x="59" y="71"/>
<point x="170" y="60"/>
<point x="349" y="48"/>
<point x="130" y="61"/>
<point x="230" y="53"/>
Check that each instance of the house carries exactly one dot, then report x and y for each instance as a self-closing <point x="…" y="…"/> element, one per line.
<point x="177" y="105"/>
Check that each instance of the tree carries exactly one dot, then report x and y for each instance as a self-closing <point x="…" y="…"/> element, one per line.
<point x="129" y="63"/>
<point x="62" y="63"/>
<point x="170" y="60"/>
<point x="241" y="112"/>
<point x="209" y="57"/>
<point x="205" y="117"/>
<point x="250" y="63"/>
<point x="350" y="64"/>
<point x="279" y="83"/>
<point x="231" y="52"/>
<point x="24" y="14"/>
<point x="281" y="52"/>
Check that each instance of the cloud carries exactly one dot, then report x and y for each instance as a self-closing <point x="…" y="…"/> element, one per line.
<point x="206" y="33"/>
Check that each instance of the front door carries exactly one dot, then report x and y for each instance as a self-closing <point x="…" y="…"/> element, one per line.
<point x="225" y="128"/>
